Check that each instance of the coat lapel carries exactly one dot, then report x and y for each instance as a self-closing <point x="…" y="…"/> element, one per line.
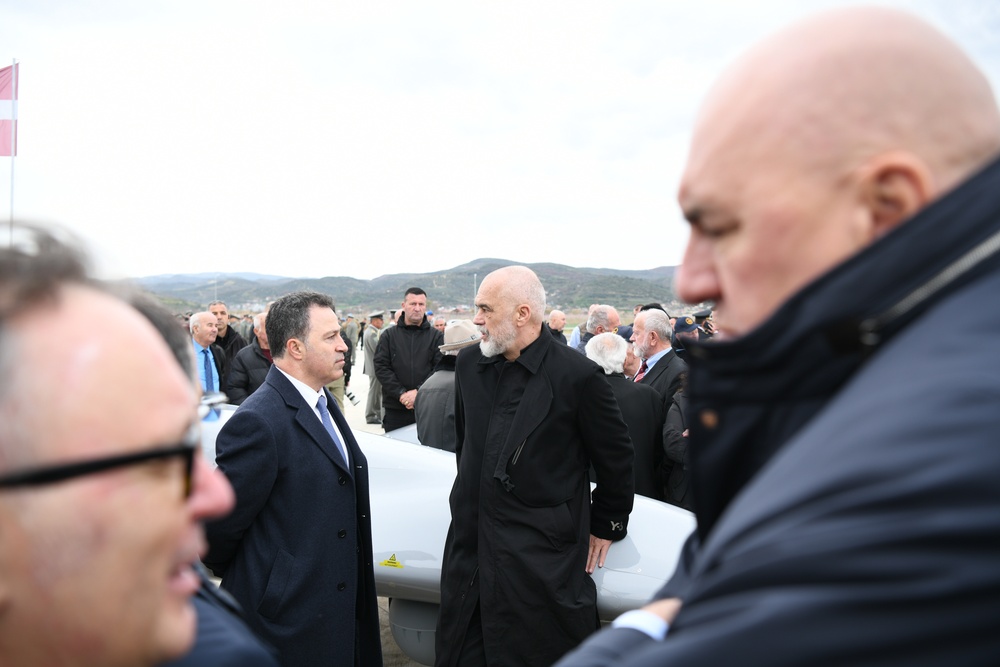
<point x="307" y="419"/>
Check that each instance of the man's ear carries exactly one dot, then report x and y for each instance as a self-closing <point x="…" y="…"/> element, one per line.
<point x="894" y="186"/>
<point x="295" y="348"/>
<point x="523" y="314"/>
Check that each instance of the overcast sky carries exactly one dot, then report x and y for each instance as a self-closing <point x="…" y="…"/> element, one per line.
<point x="364" y="138"/>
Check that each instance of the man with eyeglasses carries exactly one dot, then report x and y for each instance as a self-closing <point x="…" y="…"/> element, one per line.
<point x="102" y="488"/>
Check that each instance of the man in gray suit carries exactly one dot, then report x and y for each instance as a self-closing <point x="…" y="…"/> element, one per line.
<point x="373" y="407"/>
<point x="843" y="192"/>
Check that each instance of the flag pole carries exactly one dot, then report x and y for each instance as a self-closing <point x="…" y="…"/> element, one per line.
<point x="13" y="144"/>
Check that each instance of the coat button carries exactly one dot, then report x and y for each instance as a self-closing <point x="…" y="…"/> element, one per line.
<point x="342" y="534"/>
<point x="710" y="419"/>
<point x="342" y="480"/>
<point x="341" y="586"/>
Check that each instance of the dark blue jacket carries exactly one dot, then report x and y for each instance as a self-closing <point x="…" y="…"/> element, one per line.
<point x="296" y="552"/>
<point x="223" y="639"/>
<point x="845" y="465"/>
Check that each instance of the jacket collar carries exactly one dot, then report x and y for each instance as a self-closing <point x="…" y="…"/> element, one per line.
<point x="401" y="322"/>
<point x="531" y="356"/>
<point x="750" y="395"/>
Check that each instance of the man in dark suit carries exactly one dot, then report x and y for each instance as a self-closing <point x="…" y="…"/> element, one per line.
<point x="641" y="408"/>
<point x="844" y="461"/>
<point x="296" y="552"/>
<point x="557" y="320"/>
<point x="661" y="367"/>
<point x="532" y="416"/>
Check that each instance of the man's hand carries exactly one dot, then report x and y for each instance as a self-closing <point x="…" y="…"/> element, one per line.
<point x="407" y="398"/>
<point x="666" y="609"/>
<point x="598" y="552"/>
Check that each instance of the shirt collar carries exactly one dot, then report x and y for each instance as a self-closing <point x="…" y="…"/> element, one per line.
<point x="656" y="357"/>
<point x="309" y="395"/>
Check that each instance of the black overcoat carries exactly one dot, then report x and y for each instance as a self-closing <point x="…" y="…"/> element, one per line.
<point x="519" y="536"/>
<point x="642" y="410"/>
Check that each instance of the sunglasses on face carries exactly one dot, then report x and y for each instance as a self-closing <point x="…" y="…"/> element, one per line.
<point x="57" y="473"/>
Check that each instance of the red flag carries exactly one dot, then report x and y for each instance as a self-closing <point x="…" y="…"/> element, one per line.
<point x="8" y="110"/>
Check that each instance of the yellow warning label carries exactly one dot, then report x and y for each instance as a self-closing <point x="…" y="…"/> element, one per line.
<point x="392" y="562"/>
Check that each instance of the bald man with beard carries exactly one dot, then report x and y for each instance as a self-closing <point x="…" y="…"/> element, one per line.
<point x="843" y="192"/>
<point x="531" y="417"/>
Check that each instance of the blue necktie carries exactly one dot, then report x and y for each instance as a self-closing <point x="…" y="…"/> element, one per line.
<point x="328" y="425"/>
<point x="209" y="385"/>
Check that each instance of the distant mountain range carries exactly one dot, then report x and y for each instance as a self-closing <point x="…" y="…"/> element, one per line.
<point x="566" y="287"/>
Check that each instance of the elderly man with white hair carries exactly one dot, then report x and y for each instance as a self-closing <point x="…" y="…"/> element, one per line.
<point x="213" y="368"/>
<point x="661" y="367"/>
<point x="641" y="409"/>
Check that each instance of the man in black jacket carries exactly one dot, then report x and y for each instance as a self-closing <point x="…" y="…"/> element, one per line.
<point x="251" y="364"/>
<point x="641" y="408"/>
<point x="557" y="320"/>
<point x="531" y="417"/>
<point x="229" y="338"/>
<point x="406" y="356"/>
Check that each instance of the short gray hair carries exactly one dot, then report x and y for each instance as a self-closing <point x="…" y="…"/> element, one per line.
<point x="658" y="321"/>
<point x="600" y="316"/>
<point x="608" y="350"/>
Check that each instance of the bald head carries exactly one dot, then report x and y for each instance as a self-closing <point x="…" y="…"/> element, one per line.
<point x="819" y="141"/>
<point x="518" y="285"/>
<point x="510" y="308"/>
<point x="557" y="320"/>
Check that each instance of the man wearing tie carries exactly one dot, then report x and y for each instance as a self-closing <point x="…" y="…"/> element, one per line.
<point x="661" y="367"/>
<point x="209" y="357"/>
<point x="297" y="552"/>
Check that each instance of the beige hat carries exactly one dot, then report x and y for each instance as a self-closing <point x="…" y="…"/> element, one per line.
<point x="459" y="334"/>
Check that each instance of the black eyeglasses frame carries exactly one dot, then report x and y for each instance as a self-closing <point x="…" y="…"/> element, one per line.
<point x="58" y="473"/>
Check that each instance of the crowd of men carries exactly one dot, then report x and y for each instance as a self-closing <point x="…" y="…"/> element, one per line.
<point x="839" y="453"/>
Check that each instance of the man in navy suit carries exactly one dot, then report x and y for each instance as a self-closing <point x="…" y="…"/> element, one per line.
<point x="297" y="551"/>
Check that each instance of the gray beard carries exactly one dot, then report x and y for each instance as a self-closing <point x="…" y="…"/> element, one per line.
<point x="498" y="343"/>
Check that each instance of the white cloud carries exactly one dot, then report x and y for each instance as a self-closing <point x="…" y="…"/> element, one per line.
<point x="358" y="139"/>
